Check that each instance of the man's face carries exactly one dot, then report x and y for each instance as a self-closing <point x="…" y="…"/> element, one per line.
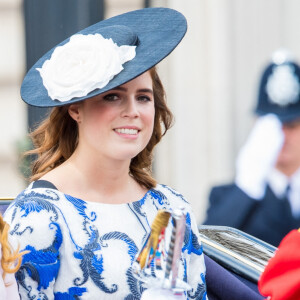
<point x="289" y="156"/>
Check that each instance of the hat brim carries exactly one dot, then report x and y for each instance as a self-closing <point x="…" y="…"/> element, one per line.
<point x="158" y="32"/>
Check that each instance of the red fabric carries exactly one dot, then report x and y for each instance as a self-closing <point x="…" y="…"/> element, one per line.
<point x="281" y="277"/>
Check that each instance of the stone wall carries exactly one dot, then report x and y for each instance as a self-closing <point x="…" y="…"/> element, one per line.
<point x="211" y="81"/>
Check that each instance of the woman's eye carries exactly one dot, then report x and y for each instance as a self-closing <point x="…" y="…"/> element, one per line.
<point x="144" y="98"/>
<point x="111" y="97"/>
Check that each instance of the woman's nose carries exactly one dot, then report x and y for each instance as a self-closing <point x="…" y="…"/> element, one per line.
<point x="130" y="108"/>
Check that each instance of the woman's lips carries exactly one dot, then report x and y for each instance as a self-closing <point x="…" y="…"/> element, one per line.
<point x="130" y="131"/>
<point x="127" y="132"/>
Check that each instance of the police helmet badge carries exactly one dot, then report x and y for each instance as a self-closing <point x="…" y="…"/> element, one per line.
<point x="279" y="90"/>
<point x="283" y="85"/>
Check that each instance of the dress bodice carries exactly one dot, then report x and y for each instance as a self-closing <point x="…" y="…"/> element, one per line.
<point x="86" y="249"/>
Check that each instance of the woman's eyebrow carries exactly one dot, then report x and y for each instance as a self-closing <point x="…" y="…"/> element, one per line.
<point x="120" y="88"/>
<point x="124" y="89"/>
<point x="150" y="91"/>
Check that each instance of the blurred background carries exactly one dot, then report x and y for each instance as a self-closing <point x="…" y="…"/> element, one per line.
<point x="211" y="80"/>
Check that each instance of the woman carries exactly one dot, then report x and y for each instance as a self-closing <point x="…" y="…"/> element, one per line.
<point x="10" y="263"/>
<point x="88" y="211"/>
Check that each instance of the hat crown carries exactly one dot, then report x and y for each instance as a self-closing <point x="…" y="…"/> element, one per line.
<point x="155" y="32"/>
<point x="120" y="34"/>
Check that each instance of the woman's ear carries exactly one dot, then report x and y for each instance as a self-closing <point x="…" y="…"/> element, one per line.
<point x="74" y="112"/>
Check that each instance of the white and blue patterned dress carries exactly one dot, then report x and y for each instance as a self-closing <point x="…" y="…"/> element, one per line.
<point x="85" y="250"/>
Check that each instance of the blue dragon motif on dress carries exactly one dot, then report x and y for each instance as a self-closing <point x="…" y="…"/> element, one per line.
<point x="159" y="197"/>
<point x="41" y="265"/>
<point x="89" y="256"/>
<point x="132" y="248"/>
<point x="137" y="205"/>
<point x="135" y="286"/>
<point x="35" y="202"/>
<point x="72" y="293"/>
<point x="136" y="208"/>
<point x="200" y="293"/>
<point x="175" y="193"/>
<point x="183" y="260"/>
<point x="80" y="206"/>
<point x="91" y="265"/>
<point x="190" y="242"/>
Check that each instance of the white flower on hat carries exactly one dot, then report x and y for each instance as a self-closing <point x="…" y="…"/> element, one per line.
<point x="85" y="63"/>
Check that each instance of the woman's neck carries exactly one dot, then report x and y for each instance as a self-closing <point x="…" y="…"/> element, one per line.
<point x="102" y="180"/>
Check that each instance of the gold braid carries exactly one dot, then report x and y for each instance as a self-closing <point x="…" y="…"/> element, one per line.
<point x="161" y="221"/>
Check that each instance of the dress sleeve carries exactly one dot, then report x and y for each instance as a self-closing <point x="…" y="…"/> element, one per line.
<point x="196" y="270"/>
<point x="34" y="226"/>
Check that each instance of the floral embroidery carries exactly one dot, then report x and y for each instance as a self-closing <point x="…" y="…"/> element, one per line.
<point x="54" y="221"/>
<point x="200" y="292"/>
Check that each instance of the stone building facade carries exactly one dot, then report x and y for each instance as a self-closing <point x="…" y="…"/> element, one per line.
<point x="211" y="81"/>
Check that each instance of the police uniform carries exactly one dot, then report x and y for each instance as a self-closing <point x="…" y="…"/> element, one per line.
<point x="262" y="201"/>
<point x="268" y="219"/>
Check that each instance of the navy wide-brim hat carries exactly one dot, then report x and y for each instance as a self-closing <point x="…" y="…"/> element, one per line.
<point x="154" y="31"/>
<point x="279" y="89"/>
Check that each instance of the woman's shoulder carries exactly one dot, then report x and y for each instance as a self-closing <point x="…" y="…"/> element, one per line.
<point x="33" y="199"/>
<point x="36" y="193"/>
<point x="174" y="197"/>
<point x="35" y="218"/>
<point x="171" y="192"/>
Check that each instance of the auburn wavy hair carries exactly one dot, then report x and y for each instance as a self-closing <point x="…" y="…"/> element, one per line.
<point x="56" y="139"/>
<point x="11" y="259"/>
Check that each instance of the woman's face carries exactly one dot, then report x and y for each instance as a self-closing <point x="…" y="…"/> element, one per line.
<point x="117" y="124"/>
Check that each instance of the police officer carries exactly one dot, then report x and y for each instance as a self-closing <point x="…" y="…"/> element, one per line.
<point x="264" y="199"/>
